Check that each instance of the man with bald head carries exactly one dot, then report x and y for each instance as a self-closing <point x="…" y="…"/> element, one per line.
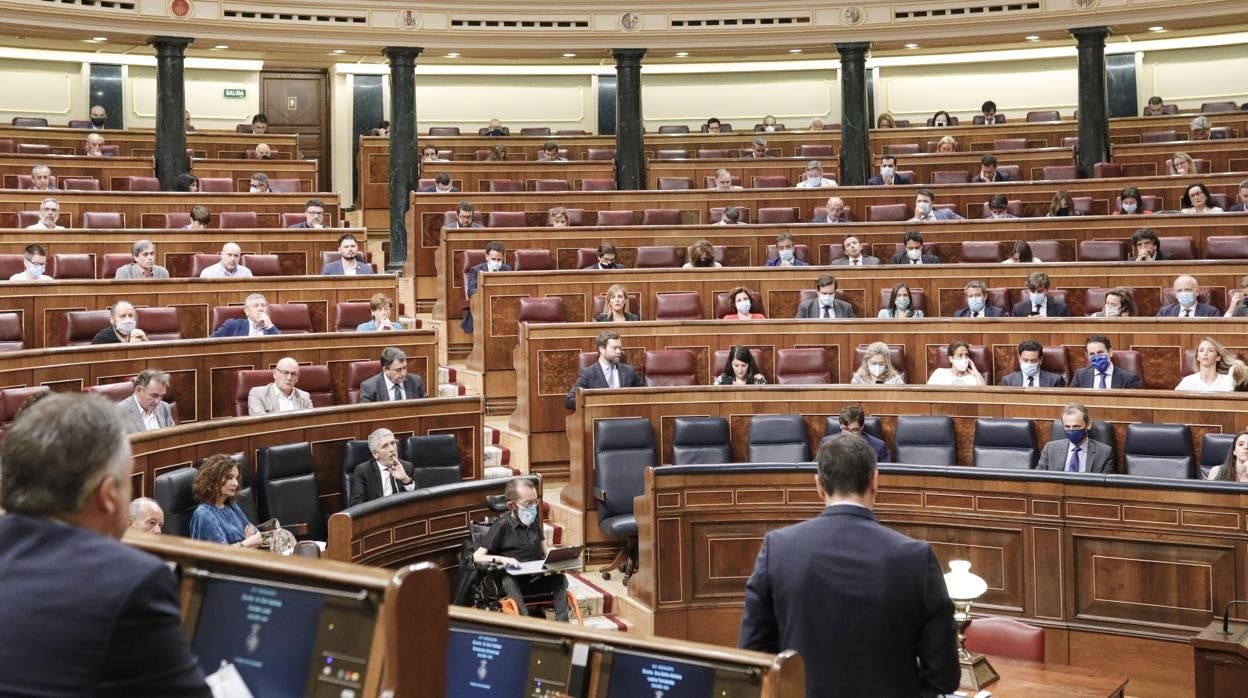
<point x="121" y="326"/>
<point x="281" y="395"/>
<point x="1187" y="303"/>
<point x="229" y="266"/>
<point x="834" y="212"/>
<point x="82" y="613"/>
<point x="385" y="474"/>
<point x="256" y="320"/>
<point x="146" y="516"/>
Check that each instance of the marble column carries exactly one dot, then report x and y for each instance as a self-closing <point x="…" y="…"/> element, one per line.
<point x="1093" y="98"/>
<point x="630" y="156"/>
<point x="404" y="164"/>
<point x="171" y="159"/>
<point x="855" y="118"/>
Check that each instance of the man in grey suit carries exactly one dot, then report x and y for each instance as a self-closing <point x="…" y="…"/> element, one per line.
<point x="1076" y="453"/>
<point x="281" y="395"/>
<point x="393" y="383"/>
<point x="824" y="306"/>
<point x="350" y="262"/>
<point x="871" y="614"/>
<point x="853" y="254"/>
<point x="144" y="265"/>
<point x="1029" y="375"/>
<point x="146" y="409"/>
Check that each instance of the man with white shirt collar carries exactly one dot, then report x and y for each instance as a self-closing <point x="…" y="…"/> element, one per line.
<point x="1187" y="303"/>
<point x="393" y="383"/>
<point x="825" y="305"/>
<point x="1101" y="374"/>
<point x="925" y="211"/>
<point x="95" y="146"/>
<point x="385" y="474"/>
<point x="314" y="215"/>
<point x="229" y="266"/>
<point x="255" y="323"/>
<point x="41" y="178"/>
<point x="49" y="212"/>
<point x="146" y="409"/>
<point x="1077" y="453"/>
<point x="853" y="254"/>
<point x="281" y="395"/>
<point x="349" y="262"/>
<point x="35" y="259"/>
<point x="888" y="175"/>
<point x="607" y="372"/>
<point x="814" y="177"/>
<point x="977" y="302"/>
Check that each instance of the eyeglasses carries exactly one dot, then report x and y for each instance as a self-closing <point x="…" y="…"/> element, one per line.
<point x="288" y="374"/>
<point x="528" y="503"/>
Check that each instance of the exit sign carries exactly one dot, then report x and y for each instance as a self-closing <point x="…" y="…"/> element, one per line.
<point x="235" y="93"/>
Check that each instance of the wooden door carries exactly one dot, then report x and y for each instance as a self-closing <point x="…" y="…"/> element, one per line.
<point x="297" y="101"/>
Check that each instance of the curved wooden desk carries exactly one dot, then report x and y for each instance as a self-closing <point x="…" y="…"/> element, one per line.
<point x="327" y="429"/>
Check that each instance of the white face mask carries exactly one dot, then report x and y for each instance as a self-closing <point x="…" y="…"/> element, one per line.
<point x="924" y="207"/>
<point x="1111" y="312"/>
<point x="915" y="253"/>
<point x="493" y="264"/>
<point x="961" y="363"/>
<point x="886" y="171"/>
<point x="743" y="307"/>
<point x="125" y="326"/>
<point x="827" y="299"/>
<point x="876" y="370"/>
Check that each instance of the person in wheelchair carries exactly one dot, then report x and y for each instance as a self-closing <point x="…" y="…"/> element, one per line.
<point x="516" y="537"/>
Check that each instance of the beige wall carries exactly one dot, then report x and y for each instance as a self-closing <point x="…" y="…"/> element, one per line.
<point x="1192" y="76"/>
<point x="741" y="99"/>
<point x="917" y="92"/>
<point x="204" y="89"/>
<point x="54" y="90"/>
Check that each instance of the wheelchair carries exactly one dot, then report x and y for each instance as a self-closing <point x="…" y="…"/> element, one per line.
<point x="481" y="585"/>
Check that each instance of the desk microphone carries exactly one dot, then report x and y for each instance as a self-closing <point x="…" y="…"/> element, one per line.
<point x="1226" y="616"/>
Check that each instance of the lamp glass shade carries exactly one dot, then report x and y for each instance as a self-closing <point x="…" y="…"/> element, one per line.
<point x="964" y="585"/>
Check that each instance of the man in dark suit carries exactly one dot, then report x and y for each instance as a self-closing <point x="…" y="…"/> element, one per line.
<point x="606" y="258"/>
<point x="786" y="253"/>
<point x="888" y="175"/>
<point x="1147" y="246"/>
<point x="834" y="212"/>
<point x="988" y="171"/>
<point x="465" y="217"/>
<point x="1039" y="302"/>
<point x="824" y="306"/>
<point x="494" y="252"/>
<point x="914" y="251"/>
<point x="853" y="420"/>
<point x="393" y="383"/>
<point x="977" y="302"/>
<point x="854" y="256"/>
<point x="82" y="613"/>
<point x="1241" y="205"/>
<point x="349" y="262"/>
<point x="1102" y="374"/>
<point x="385" y="474"/>
<point x="256" y="322"/>
<point x="441" y="185"/>
<point x="870" y="615"/>
<point x="1029" y="375"/>
<point x="314" y="215"/>
<point x="1185" y="288"/>
<point x="607" y="371"/>
<point x="1076" y="453"/>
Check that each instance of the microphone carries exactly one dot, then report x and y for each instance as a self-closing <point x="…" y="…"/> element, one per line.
<point x="1226" y="616"/>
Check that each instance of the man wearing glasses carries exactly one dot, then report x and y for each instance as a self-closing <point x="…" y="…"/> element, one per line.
<point x="281" y="395"/>
<point x="314" y="215"/>
<point x="517" y="537"/>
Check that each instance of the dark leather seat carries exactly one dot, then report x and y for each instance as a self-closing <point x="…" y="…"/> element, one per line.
<point x="1226" y="247"/>
<point x="1213" y="450"/>
<point x="443" y="130"/>
<point x="434" y="457"/>
<point x="777" y="215"/>
<point x="623" y="449"/>
<point x="675" y="183"/>
<point x="291" y="318"/>
<point x="116" y="392"/>
<point x="925" y="440"/>
<point x="803" y="366"/>
<point x="358" y="372"/>
<point x="1044" y="115"/>
<point x="262" y="264"/>
<point x="1106" y="170"/>
<point x="1159" y="136"/>
<point x="901" y="149"/>
<point x="286" y="476"/>
<point x="656" y="257"/>
<point x="12" y="399"/>
<point x="82" y="325"/>
<point x="667" y="128"/>
<point x="551" y="185"/>
<point x="814" y="150"/>
<point x="350" y="315"/>
<point x="72" y="265"/>
<point x="1212" y="107"/>
<point x="615" y="218"/>
<point x="201" y="261"/>
<point x="286" y="220"/>
<point x="11" y="264"/>
<point x="598" y="183"/>
<point x="1060" y="172"/>
<point x="177" y="220"/>
<point x="500" y="185"/>
<point x="354" y="452"/>
<point x="316" y="381"/>
<point x="174" y="492"/>
<point x="700" y="440"/>
<point x="671" y="154"/>
<point x="532" y="260"/>
<point x="681" y="305"/>
<point x="980" y="251"/>
<point x="535" y="131"/>
<point x="12" y="335"/>
<point x="159" y="323"/>
<point x="103" y="219"/>
<point x="34" y="149"/>
<point x="237" y="219"/>
<point x="668" y="367"/>
<point x="1159" y="450"/>
<point x="713" y="154"/>
<point x="951" y="177"/>
<point x="216" y="185"/>
<point x="1102" y="250"/>
<point x="888" y="212"/>
<point x="544" y="309"/>
<point x="778" y="438"/>
<point x="467" y="261"/>
<point x="600" y="154"/>
<point x="1178" y="247"/>
<point x="136" y="183"/>
<point x="244" y="381"/>
<point x="660" y="216"/>
<point x="769" y="182"/>
<point x="284" y="186"/>
<point x="1004" y="443"/>
<point x="1009" y="144"/>
<point x="80" y="184"/>
<point x="37" y="121"/>
<point x="1006" y="637"/>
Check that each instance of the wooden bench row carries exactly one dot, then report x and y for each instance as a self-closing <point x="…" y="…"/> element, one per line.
<point x="149" y="209"/>
<point x="142" y="144"/>
<point x="111" y="173"/>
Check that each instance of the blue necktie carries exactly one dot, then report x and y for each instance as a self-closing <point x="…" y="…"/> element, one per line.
<point x="1102" y="386"/>
<point x="1073" y="465"/>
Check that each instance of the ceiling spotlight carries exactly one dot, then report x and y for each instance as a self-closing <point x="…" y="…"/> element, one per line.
<point x="795" y="50"/>
<point x="569" y="55"/>
<point x="1031" y="37"/>
<point x="453" y="54"/>
<point x="1158" y="28"/>
<point x="220" y="47"/>
<point x="912" y="46"/>
<point x="339" y="51"/>
<point x="682" y="54"/>
<point x="99" y="38"/>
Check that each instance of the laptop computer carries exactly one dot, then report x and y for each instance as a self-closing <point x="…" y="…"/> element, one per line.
<point x="557" y="560"/>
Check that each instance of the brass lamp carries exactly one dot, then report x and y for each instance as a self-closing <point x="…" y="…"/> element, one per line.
<point x="964" y="587"/>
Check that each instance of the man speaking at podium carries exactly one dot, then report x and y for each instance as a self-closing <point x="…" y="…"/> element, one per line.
<point x="865" y="606"/>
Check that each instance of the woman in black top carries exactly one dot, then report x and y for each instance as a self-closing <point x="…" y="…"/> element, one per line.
<point x="616" y="309"/>
<point x="741" y="369"/>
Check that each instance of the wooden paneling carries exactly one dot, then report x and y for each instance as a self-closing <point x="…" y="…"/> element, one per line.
<point x="203" y="370"/>
<point x="148" y="209"/>
<point x="240" y="171"/>
<point x="137" y="143"/>
<point x="107" y="170"/>
<point x="327" y="429"/>
<point x="44" y="304"/>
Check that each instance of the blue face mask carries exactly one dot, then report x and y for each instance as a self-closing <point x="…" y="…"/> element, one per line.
<point x="1029" y="369"/>
<point x="527" y="514"/>
<point x="1076" y="436"/>
<point x="976" y="304"/>
<point x="1038" y="298"/>
<point x="36" y="270"/>
<point x="886" y="171"/>
<point x="1100" y="362"/>
<point x="1186" y="298"/>
<point x="493" y="264"/>
<point x="827" y="300"/>
<point x="786" y="255"/>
